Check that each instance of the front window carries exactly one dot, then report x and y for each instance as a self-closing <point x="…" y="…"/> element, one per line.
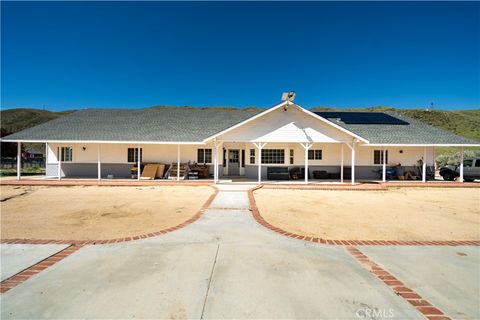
<point x="233" y="156"/>
<point x="204" y="155"/>
<point x="132" y="154"/>
<point x="378" y="156"/>
<point x="67" y="154"/>
<point x="252" y="156"/>
<point x="315" y="154"/>
<point x="291" y="156"/>
<point x="273" y="156"/>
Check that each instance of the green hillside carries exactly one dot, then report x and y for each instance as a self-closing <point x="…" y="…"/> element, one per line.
<point x="13" y="120"/>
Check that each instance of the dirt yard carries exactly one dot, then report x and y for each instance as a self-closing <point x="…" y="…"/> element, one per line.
<point x="397" y="214"/>
<point x="95" y="213"/>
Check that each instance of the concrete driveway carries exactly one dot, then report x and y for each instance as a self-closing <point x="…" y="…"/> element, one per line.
<point x="225" y="265"/>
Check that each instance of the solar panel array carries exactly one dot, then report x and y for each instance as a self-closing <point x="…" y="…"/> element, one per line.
<point x="362" y="117"/>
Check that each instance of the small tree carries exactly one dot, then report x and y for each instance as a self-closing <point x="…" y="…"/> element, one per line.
<point x="454" y="158"/>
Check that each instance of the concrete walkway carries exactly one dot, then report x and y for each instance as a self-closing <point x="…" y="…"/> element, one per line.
<point x="18" y="257"/>
<point x="224" y="265"/>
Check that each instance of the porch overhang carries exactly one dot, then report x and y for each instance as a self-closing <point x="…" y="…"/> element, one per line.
<point x="105" y="142"/>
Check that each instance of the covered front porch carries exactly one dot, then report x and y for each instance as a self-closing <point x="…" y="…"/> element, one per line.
<point x="339" y="162"/>
<point x="264" y="162"/>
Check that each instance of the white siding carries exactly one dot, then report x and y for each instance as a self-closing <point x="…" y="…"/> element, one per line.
<point x="408" y="157"/>
<point x="331" y="153"/>
<point x="117" y="153"/>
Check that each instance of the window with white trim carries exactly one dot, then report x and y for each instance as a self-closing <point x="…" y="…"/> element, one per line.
<point x="132" y="154"/>
<point x="291" y="156"/>
<point x="315" y="154"/>
<point x="252" y="156"/>
<point x="67" y="154"/>
<point x="204" y="155"/>
<point x="273" y="156"/>
<point x="378" y="156"/>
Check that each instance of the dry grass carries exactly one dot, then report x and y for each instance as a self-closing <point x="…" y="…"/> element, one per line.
<point x="397" y="214"/>
<point x="95" y="213"/>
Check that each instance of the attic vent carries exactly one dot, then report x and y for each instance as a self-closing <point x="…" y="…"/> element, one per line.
<point x="288" y="96"/>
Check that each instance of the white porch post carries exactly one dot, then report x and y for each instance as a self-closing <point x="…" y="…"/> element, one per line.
<point x="178" y="162"/>
<point x="259" y="165"/>
<point x="139" y="163"/>
<point x="341" y="165"/>
<point x="99" y="165"/>
<point x="307" y="147"/>
<point x="353" y="163"/>
<point x="461" y="165"/>
<point x="424" y="165"/>
<point x="259" y="146"/>
<point x="215" y="162"/>
<point x="46" y="157"/>
<point x="384" y="169"/>
<point x="227" y="161"/>
<point x="59" y="163"/>
<point x="19" y="160"/>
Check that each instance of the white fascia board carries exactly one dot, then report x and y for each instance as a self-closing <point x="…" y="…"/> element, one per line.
<point x="420" y="145"/>
<point x="247" y="121"/>
<point x="283" y="142"/>
<point x="106" y="142"/>
<point x="332" y="124"/>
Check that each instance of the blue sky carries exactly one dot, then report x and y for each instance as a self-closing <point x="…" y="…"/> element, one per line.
<point x="343" y="54"/>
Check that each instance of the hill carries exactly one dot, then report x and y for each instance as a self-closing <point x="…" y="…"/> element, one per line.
<point x="13" y="120"/>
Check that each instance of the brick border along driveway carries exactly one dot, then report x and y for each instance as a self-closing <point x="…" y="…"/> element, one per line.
<point x="418" y="302"/>
<point x="258" y="217"/>
<point x="24" y="275"/>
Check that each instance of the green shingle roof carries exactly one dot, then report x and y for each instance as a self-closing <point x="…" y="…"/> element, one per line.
<point x="414" y="132"/>
<point x="177" y="124"/>
<point x="169" y="124"/>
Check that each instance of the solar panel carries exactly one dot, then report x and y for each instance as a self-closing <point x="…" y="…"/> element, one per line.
<point x="362" y="117"/>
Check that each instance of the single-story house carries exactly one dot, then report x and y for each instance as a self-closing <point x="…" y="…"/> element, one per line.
<point x="248" y="143"/>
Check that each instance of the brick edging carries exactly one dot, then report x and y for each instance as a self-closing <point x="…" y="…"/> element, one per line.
<point x="105" y="182"/>
<point x="372" y="186"/>
<point x="194" y="218"/>
<point x="258" y="217"/>
<point x="414" y="298"/>
<point x="24" y="275"/>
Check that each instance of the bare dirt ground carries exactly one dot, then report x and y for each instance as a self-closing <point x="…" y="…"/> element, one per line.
<point x="420" y="214"/>
<point x="95" y="213"/>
